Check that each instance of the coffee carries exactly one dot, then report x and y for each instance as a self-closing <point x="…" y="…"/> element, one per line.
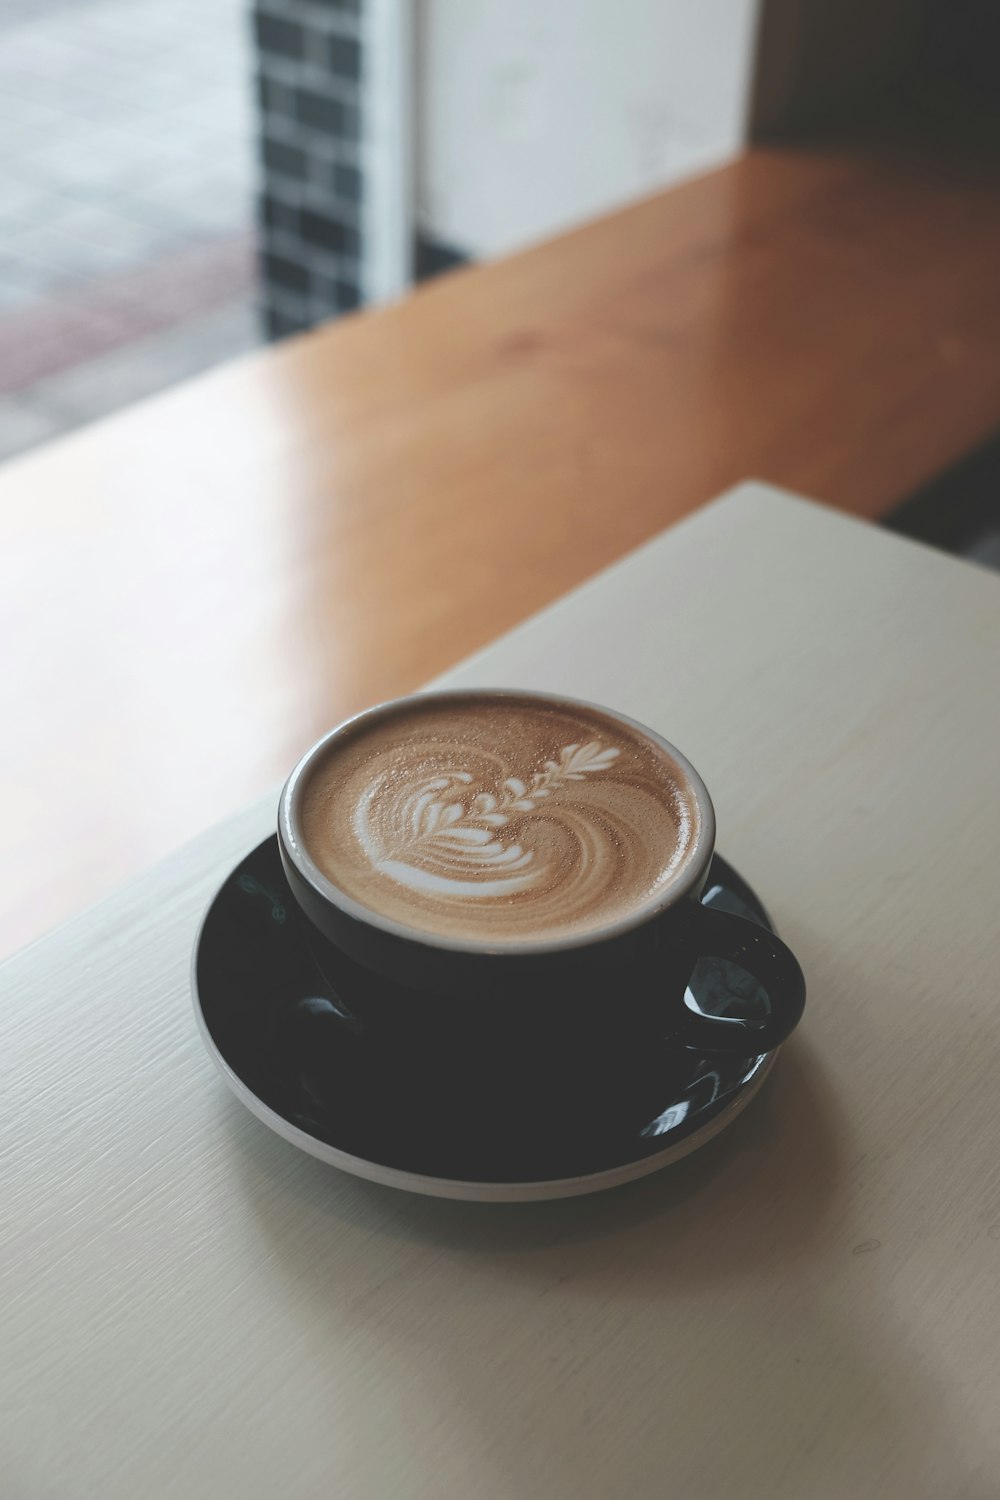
<point x="499" y="820"/>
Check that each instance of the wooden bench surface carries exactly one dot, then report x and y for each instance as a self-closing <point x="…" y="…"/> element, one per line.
<point x="194" y="589"/>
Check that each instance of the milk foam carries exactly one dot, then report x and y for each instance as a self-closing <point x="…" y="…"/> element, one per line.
<point x="499" y="820"/>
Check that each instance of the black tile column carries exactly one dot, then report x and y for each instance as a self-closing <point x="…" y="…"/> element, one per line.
<point x="310" y="61"/>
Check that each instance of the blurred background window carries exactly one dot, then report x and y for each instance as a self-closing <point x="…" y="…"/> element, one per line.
<point x="127" y="171"/>
<point x="182" y="179"/>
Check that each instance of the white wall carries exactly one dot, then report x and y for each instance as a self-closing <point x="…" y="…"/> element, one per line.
<point x="536" y="114"/>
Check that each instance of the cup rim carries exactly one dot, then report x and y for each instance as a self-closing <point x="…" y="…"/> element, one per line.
<point x="290" y="833"/>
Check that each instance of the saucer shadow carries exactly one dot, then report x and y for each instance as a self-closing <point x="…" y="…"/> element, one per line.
<point x="446" y="1308"/>
<point x="761" y="1159"/>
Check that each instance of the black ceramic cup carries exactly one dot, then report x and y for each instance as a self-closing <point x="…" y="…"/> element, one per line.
<point x="519" y="1016"/>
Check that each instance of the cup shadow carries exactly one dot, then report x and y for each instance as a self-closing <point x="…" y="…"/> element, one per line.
<point x="413" y="1281"/>
<point x="455" y="1300"/>
<point x="755" y="1160"/>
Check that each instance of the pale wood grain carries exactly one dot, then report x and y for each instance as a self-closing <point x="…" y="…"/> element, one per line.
<point x="190" y="1308"/>
<point x="191" y="592"/>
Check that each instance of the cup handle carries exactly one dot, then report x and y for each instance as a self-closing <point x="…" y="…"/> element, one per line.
<point x="720" y="934"/>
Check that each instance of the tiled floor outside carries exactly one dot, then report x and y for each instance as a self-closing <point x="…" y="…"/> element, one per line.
<point x="126" y="203"/>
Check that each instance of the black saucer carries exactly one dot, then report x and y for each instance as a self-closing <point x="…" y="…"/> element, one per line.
<point x="270" y="1018"/>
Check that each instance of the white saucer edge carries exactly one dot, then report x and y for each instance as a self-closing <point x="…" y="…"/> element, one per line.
<point x="479" y="1192"/>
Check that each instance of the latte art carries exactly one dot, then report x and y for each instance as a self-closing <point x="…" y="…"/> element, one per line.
<point x="502" y="821"/>
<point x="446" y="837"/>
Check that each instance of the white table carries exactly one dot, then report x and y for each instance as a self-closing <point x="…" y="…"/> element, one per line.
<point x="807" y="1308"/>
